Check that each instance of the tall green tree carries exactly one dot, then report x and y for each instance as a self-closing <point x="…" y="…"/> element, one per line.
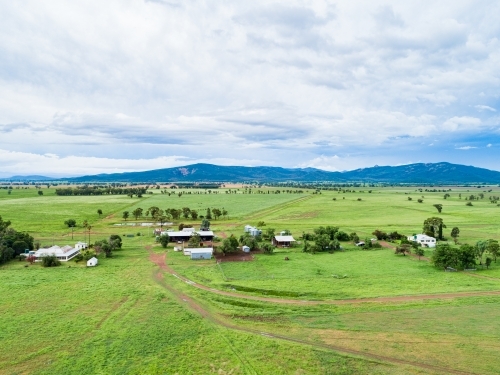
<point x="455" y="232"/>
<point x="125" y="215"/>
<point x="137" y="213"/>
<point x="71" y="223"/>
<point x="99" y="212"/>
<point x="434" y="226"/>
<point x="445" y="256"/>
<point x="493" y="248"/>
<point x="208" y="216"/>
<point x="439" y="207"/>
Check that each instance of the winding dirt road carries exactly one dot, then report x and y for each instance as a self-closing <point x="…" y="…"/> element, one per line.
<point x="159" y="259"/>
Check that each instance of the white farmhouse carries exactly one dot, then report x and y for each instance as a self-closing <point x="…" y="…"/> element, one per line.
<point x="423" y="240"/>
<point x="64" y="253"/>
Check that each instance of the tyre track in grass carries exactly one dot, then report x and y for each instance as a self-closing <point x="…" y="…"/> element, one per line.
<point x="160" y="261"/>
<point x="185" y="300"/>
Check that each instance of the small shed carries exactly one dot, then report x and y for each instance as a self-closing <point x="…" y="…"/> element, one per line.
<point x="245" y="249"/>
<point x="92" y="262"/>
<point x="202" y="253"/>
<point x="283" y="241"/>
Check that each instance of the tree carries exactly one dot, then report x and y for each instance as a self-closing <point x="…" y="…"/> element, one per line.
<point x="162" y="220"/>
<point x="125" y="215"/>
<point x="209" y="214"/>
<point x="268" y="248"/>
<point x="444" y="256"/>
<point x="261" y="224"/>
<point x="117" y="241"/>
<point x="439" y="207"/>
<point x="488" y="262"/>
<point x="354" y="237"/>
<point x="455" y="232"/>
<point x="137" y="213"/>
<point x="217" y="213"/>
<point x="481" y="247"/>
<point x="186" y="212"/>
<point x="224" y="214"/>
<point x="40" y="192"/>
<point x="71" y="223"/>
<point x="419" y="251"/>
<point x="403" y="249"/>
<point x="493" y="248"/>
<point x="466" y="256"/>
<point x="194" y="215"/>
<point x="269" y="234"/>
<point x="380" y="235"/>
<point x="194" y="240"/>
<point x="164" y="240"/>
<point x="99" y="212"/>
<point x="434" y="226"/>
<point x="229" y="245"/>
<point x="205" y="224"/>
<point x="50" y="261"/>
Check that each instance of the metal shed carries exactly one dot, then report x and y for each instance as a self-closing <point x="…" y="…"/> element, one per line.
<point x="202" y="253"/>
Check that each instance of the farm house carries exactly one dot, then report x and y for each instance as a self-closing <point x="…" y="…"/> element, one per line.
<point x="283" y="241"/>
<point x="201" y="253"/>
<point x="64" y="253"/>
<point x="423" y="239"/>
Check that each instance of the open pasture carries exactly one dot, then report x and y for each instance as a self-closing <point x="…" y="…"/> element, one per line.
<point x="121" y="318"/>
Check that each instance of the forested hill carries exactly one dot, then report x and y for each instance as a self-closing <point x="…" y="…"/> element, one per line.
<point x="429" y="173"/>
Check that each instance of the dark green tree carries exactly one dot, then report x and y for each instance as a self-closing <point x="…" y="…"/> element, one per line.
<point x="164" y="240"/>
<point x="125" y="215"/>
<point x="71" y="223"/>
<point x="455" y="232"/>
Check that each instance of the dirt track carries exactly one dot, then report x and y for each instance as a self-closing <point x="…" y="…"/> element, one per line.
<point x="159" y="259"/>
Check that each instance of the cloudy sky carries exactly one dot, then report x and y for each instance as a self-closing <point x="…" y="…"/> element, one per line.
<point x="105" y="86"/>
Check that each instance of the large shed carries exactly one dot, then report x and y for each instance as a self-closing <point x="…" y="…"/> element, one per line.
<point x="202" y="253"/>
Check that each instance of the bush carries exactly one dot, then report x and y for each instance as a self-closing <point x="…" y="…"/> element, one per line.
<point x="50" y="261"/>
<point x="468" y="204"/>
<point x="164" y="240"/>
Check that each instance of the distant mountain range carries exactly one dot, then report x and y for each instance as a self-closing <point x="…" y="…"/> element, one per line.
<point x="428" y="173"/>
<point x="421" y="173"/>
<point x="29" y="178"/>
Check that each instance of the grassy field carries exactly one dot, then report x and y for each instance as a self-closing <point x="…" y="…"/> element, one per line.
<point x="119" y="318"/>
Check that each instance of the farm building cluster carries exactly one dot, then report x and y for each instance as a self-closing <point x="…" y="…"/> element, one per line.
<point x="185" y="234"/>
<point x="63" y="254"/>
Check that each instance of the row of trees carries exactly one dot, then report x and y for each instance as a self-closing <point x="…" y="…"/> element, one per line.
<point x="466" y="256"/>
<point x="162" y="216"/>
<point x="96" y="190"/>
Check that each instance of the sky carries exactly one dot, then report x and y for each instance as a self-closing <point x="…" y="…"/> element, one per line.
<point x="109" y="86"/>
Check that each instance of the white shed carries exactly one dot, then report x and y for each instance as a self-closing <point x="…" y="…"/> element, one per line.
<point x="202" y="253"/>
<point x="92" y="262"/>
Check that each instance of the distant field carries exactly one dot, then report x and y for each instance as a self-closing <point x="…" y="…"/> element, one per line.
<point x="127" y="316"/>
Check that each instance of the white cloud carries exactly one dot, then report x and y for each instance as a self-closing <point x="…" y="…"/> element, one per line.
<point x="489" y="145"/>
<point x="285" y="80"/>
<point x="465" y="148"/>
<point x="461" y="123"/>
<point x="485" y="107"/>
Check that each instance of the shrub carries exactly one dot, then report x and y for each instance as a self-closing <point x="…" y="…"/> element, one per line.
<point x="468" y="204"/>
<point x="50" y="261"/>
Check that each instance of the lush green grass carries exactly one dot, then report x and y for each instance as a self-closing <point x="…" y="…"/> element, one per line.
<point x="116" y="318"/>
<point x="369" y="273"/>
